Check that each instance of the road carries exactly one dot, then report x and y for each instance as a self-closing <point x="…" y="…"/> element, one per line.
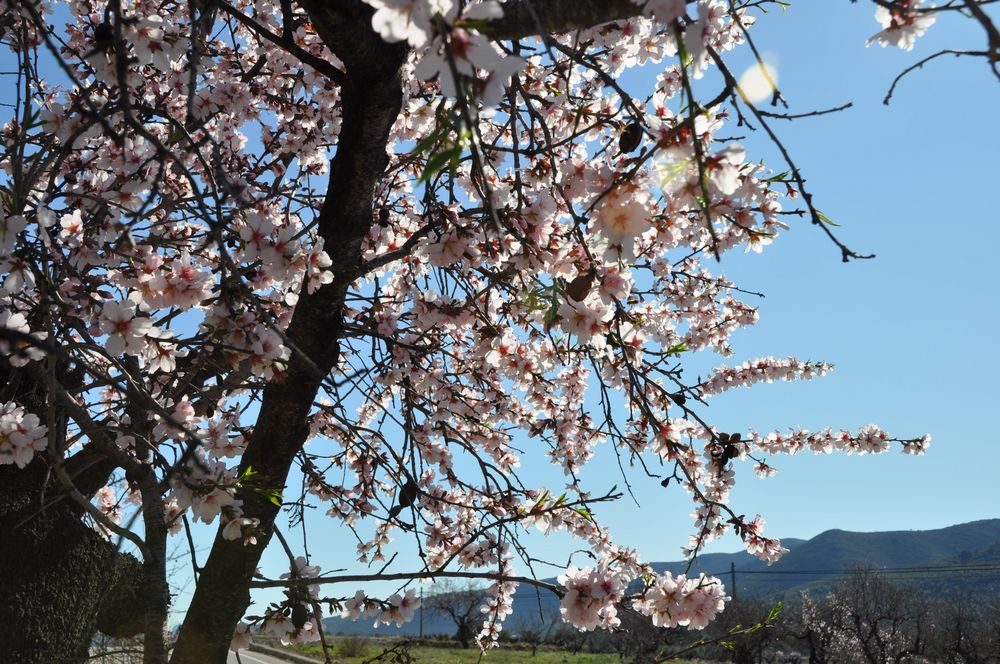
<point x="247" y="657"/>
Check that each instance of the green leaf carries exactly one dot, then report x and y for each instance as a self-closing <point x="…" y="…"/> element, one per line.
<point x="436" y="162"/>
<point x="774" y="612"/>
<point x="826" y="220"/>
<point x="678" y="349"/>
<point x="273" y="495"/>
<point x="176" y="135"/>
<point x="426" y="144"/>
<point x="439" y="133"/>
<point x="247" y="474"/>
<point x="552" y="313"/>
<point x="34" y="119"/>
<point x="775" y="178"/>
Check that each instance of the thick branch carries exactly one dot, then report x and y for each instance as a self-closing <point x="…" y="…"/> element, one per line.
<point x="524" y="18"/>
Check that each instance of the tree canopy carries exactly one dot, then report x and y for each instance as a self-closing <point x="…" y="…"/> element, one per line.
<point x="400" y="249"/>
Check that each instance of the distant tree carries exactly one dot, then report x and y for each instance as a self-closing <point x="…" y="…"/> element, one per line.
<point x="745" y="648"/>
<point x="461" y="603"/>
<point x="813" y="627"/>
<point x="534" y="631"/>
<point x="878" y="621"/>
<point x="640" y="641"/>
<point x="565" y="637"/>
<point x="965" y="632"/>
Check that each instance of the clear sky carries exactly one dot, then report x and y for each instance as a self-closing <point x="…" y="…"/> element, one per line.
<point x="912" y="333"/>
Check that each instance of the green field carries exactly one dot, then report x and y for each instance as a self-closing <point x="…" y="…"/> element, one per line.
<point x="444" y="655"/>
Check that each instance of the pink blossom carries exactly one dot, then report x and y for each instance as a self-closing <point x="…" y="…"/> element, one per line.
<point x="902" y="25"/>
<point x="21" y="435"/>
<point x="590" y="595"/>
<point x="241" y="637"/>
<point x="402" y="609"/>
<point x="126" y="333"/>
<point x="623" y="214"/>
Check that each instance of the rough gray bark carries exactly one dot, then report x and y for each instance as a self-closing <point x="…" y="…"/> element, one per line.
<point x="59" y="580"/>
<point x="523" y="18"/>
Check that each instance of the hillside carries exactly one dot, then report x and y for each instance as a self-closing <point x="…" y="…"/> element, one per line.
<point x="809" y="565"/>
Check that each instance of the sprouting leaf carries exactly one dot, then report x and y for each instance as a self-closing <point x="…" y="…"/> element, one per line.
<point x="671" y="170"/>
<point x="826" y="220"/>
<point x="176" y="135"/>
<point x="427" y="143"/>
<point x="677" y="349"/>
<point x="775" y="610"/>
<point x="438" y="161"/>
<point x="273" y="495"/>
<point x="247" y="474"/>
<point x="552" y="312"/>
<point x="34" y="119"/>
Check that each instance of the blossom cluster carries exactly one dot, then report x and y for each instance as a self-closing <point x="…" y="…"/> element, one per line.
<point x="673" y="601"/>
<point x="398" y="608"/>
<point x="902" y="24"/>
<point x="297" y="620"/>
<point x="869" y="439"/>
<point x="762" y="370"/>
<point x="590" y="597"/>
<point x="452" y="50"/>
<point x="21" y="435"/>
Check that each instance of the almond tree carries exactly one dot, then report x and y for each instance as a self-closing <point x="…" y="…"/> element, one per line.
<point x="459" y="603"/>
<point x="377" y="242"/>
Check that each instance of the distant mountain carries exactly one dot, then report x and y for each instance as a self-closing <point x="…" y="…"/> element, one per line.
<point x="951" y="554"/>
<point x="826" y="556"/>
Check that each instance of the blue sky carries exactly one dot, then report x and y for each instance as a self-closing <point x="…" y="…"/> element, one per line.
<point x="911" y="333"/>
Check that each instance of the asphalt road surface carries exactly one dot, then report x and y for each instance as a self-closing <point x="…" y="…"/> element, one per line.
<point x="247" y="657"/>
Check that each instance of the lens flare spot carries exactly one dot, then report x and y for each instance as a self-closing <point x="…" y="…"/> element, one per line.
<point x="758" y="82"/>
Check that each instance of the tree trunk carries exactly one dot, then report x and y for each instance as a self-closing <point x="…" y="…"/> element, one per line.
<point x="60" y="581"/>
<point x="371" y="101"/>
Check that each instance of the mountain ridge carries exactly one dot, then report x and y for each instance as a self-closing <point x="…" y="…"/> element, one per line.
<point x="810" y="565"/>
